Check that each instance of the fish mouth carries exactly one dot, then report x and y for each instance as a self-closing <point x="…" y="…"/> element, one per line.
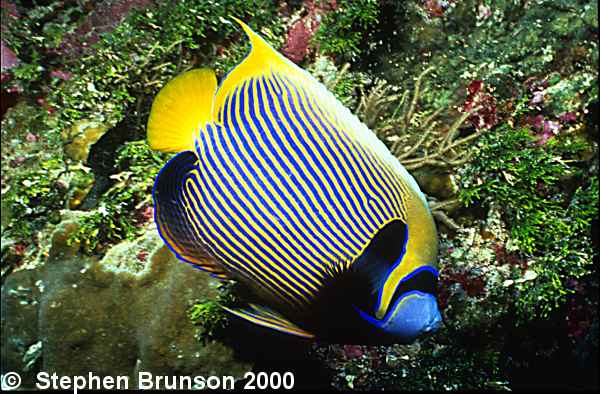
<point x="413" y="308"/>
<point x="434" y="324"/>
<point x="413" y="315"/>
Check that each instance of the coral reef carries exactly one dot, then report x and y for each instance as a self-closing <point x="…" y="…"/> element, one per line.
<point x="343" y="31"/>
<point x="124" y="313"/>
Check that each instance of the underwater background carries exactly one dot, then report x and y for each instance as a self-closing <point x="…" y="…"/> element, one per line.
<point x="491" y="105"/>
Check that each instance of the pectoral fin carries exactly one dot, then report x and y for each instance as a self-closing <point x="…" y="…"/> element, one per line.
<point x="266" y="317"/>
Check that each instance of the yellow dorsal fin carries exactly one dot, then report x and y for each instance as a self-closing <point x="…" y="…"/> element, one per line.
<point x="179" y="108"/>
<point x="261" y="59"/>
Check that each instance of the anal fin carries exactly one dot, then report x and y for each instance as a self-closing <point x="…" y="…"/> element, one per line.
<point x="266" y="317"/>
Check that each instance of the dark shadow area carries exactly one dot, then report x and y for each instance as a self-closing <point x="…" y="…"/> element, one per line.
<point x="102" y="161"/>
<point x="271" y="351"/>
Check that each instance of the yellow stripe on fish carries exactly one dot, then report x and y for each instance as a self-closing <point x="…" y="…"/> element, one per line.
<point x="280" y="187"/>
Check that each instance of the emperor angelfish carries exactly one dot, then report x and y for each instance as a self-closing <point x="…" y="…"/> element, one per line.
<point x="278" y="186"/>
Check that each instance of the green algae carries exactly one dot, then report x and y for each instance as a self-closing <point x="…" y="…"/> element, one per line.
<point x="549" y="221"/>
<point x="345" y="30"/>
<point x="125" y="207"/>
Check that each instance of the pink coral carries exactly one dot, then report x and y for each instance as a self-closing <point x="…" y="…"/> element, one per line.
<point x="8" y="59"/>
<point x="144" y="215"/>
<point x="482" y="104"/>
<point x="148" y="213"/>
<point x="544" y="128"/>
<point x="296" y="47"/>
<point x="20" y="249"/>
<point x="142" y="256"/>
<point x="567" y="117"/>
<point x="64" y="75"/>
<point x="436" y="8"/>
<point x="352" y="351"/>
<point x="16" y="162"/>
<point x="538" y="97"/>
<point x="10" y="8"/>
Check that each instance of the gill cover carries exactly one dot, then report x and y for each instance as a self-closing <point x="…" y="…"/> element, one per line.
<point x="412" y="306"/>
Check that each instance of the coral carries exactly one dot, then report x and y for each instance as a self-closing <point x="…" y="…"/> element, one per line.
<point x="423" y="366"/>
<point x="413" y="136"/>
<point x="481" y="105"/>
<point x="9" y="59"/>
<point x="344" y="84"/>
<point x="473" y="279"/>
<point x="469" y="42"/>
<point x="296" y="46"/>
<point x="419" y="139"/>
<point x="111" y="316"/>
<point x="492" y="106"/>
<point x="80" y="138"/>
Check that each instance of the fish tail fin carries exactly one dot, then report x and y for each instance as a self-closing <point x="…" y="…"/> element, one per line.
<point x="175" y="225"/>
<point x="180" y="107"/>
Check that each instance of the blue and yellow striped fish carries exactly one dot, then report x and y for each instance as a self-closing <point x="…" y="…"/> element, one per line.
<point x="279" y="187"/>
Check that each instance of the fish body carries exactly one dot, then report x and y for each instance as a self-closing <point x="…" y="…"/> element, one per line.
<point x="280" y="187"/>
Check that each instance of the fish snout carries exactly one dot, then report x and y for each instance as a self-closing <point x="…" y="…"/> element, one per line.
<point x="415" y="314"/>
<point x="434" y="323"/>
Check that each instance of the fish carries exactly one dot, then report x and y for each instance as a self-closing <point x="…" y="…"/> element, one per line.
<point x="277" y="186"/>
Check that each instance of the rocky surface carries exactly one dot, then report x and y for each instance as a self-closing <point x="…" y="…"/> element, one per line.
<point x="116" y="316"/>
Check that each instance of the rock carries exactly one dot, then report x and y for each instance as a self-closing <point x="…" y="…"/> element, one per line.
<point x="113" y="316"/>
<point x="19" y="317"/>
<point x="81" y="137"/>
<point x="438" y="183"/>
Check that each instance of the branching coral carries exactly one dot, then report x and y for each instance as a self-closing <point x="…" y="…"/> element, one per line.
<point x="344" y="84"/>
<point x="415" y="137"/>
<point x="418" y="137"/>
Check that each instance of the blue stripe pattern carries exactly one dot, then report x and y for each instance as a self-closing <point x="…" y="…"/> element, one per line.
<point x="280" y="193"/>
